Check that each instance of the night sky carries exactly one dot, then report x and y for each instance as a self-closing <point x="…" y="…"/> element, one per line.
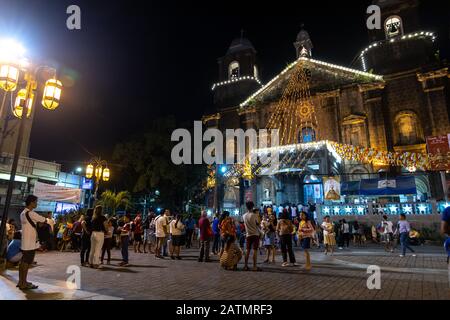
<point x="133" y="61"/>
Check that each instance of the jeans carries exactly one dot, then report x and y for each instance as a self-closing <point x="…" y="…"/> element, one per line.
<point x="404" y="241"/>
<point x="216" y="243"/>
<point x="107" y="248"/>
<point x="346" y="239"/>
<point x="124" y="242"/>
<point x="97" y="239"/>
<point x="204" y="250"/>
<point x="286" y="247"/>
<point x="85" y="248"/>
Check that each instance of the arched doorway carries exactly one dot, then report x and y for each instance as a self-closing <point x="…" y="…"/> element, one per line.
<point x="312" y="189"/>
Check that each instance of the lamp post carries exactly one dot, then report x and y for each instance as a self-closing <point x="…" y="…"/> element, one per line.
<point x="12" y="65"/>
<point x="98" y="169"/>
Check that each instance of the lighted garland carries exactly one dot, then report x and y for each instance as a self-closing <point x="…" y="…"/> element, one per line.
<point x="367" y="155"/>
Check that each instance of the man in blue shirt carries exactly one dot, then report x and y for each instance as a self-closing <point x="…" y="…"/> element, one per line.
<point x="190" y="227"/>
<point x="404" y="228"/>
<point x="14" y="253"/>
<point x="216" y="231"/>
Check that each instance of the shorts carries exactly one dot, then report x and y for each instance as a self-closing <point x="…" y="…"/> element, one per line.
<point x="252" y="242"/>
<point x="305" y="243"/>
<point x="28" y="256"/>
<point x="178" y="241"/>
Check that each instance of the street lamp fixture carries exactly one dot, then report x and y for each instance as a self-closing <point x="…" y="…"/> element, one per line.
<point x="20" y="102"/>
<point x="89" y="171"/>
<point x="9" y="77"/>
<point x="106" y="174"/>
<point x="12" y="65"/>
<point x="52" y="94"/>
<point x="98" y="169"/>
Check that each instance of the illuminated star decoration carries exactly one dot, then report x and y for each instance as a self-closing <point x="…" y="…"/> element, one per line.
<point x="326" y="210"/>
<point x="422" y="209"/>
<point x="407" y="209"/>
<point x="348" y="209"/>
<point x="394" y="209"/>
<point x="336" y="210"/>
<point x="360" y="210"/>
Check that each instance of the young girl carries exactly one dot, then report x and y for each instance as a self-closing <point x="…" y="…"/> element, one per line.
<point x="269" y="227"/>
<point x="108" y="242"/>
<point x="125" y="230"/>
<point x="329" y="238"/>
<point x="305" y="234"/>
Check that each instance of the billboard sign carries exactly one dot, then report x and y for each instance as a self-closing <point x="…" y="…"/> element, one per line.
<point x="439" y="151"/>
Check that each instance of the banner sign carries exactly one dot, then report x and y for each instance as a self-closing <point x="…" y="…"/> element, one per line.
<point x="51" y="192"/>
<point x="388" y="187"/>
<point x="332" y="188"/>
<point x="439" y="150"/>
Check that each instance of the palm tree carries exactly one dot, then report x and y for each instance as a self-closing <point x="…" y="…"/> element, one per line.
<point x="113" y="201"/>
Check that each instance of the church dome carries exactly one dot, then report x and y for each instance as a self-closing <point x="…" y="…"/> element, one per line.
<point x="240" y="44"/>
<point x="303" y="35"/>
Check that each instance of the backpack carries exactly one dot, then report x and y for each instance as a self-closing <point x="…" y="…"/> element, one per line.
<point x="42" y="229"/>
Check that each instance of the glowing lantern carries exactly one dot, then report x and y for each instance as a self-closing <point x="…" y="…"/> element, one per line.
<point x="52" y="94"/>
<point x="106" y="174"/>
<point x="20" y="102"/>
<point x="9" y="76"/>
<point x="98" y="172"/>
<point x="89" y="171"/>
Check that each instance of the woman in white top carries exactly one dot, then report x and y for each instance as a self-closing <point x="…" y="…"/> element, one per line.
<point x="177" y="236"/>
<point x="329" y="239"/>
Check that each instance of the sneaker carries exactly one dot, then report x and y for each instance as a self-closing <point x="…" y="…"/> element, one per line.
<point x="200" y="260"/>
<point x="295" y="264"/>
<point x="401" y="256"/>
<point x="340" y="248"/>
<point x="285" y="264"/>
<point x="414" y="255"/>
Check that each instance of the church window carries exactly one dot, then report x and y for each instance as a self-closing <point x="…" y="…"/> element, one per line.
<point x="307" y="135"/>
<point x="255" y="72"/>
<point x="393" y="27"/>
<point x="408" y="128"/>
<point x="233" y="70"/>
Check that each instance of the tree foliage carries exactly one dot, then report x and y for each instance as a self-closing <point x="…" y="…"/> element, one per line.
<point x="112" y="201"/>
<point x="147" y="166"/>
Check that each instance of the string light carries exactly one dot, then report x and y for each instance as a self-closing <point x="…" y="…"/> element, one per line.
<point x="234" y="80"/>
<point x="407" y="36"/>
<point x="318" y="62"/>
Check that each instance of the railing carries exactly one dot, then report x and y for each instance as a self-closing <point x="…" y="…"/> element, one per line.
<point x="380" y="209"/>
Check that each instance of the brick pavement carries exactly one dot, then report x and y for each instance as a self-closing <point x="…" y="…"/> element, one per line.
<point x="342" y="276"/>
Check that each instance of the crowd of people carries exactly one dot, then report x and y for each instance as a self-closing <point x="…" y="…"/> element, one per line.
<point x="259" y="232"/>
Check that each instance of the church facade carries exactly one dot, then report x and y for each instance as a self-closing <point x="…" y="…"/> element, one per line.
<point x="394" y="95"/>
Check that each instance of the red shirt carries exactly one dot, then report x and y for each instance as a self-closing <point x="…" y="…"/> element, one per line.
<point x="205" y="228"/>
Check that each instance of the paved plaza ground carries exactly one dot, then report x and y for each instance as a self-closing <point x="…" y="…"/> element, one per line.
<point x="343" y="276"/>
